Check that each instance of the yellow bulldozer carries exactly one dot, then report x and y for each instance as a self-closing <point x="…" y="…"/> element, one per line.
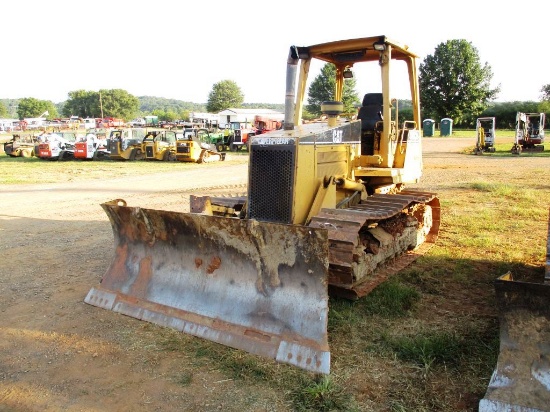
<point x="327" y="212"/>
<point x="197" y="147"/>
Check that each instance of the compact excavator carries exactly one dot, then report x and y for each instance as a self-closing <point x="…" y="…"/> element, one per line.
<point x="327" y="212"/>
<point x="529" y="132"/>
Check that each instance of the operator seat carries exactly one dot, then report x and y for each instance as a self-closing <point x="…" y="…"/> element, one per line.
<point x="370" y="113"/>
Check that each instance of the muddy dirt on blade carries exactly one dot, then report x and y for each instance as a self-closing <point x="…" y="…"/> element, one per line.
<point x="257" y="287"/>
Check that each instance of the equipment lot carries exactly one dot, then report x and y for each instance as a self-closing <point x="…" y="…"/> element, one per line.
<point x="59" y="354"/>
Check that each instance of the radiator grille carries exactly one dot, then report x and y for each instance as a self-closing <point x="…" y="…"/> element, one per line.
<point x="271" y="183"/>
<point x="149" y="151"/>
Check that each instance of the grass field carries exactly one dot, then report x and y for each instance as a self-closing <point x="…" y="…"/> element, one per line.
<point x="427" y="340"/>
<point x="35" y="170"/>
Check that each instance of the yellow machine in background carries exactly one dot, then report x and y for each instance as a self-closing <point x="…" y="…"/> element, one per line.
<point x="160" y="145"/>
<point x="327" y="210"/>
<point x="126" y="144"/>
<point x="197" y="147"/>
<point x="485" y="132"/>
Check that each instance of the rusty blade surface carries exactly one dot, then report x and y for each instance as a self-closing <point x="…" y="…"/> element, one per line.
<point x="259" y="287"/>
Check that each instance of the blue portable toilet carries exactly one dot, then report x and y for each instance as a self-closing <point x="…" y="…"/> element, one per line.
<point x="446" y="127"/>
<point x="428" y="127"/>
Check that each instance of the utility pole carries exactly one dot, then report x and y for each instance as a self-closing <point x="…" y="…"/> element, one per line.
<point x="100" y="104"/>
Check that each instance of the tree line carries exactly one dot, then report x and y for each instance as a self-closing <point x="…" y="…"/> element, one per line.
<point x="113" y="103"/>
<point x="453" y="84"/>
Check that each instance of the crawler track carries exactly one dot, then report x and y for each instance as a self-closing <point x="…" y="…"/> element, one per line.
<point x="357" y="267"/>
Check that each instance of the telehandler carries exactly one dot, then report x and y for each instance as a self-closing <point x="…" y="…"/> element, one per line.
<point x="326" y="211"/>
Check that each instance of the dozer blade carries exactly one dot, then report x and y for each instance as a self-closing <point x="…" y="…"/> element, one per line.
<point x="521" y="379"/>
<point x="259" y="287"/>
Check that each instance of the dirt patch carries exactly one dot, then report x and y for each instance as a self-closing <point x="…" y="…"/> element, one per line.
<point x="58" y="353"/>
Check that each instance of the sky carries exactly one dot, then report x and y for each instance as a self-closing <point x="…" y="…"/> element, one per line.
<point x="179" y="49"/>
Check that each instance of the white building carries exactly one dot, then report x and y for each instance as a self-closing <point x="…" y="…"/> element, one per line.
<point x="8" y="125"/>
<point x="246" y="115"/>
<point x="203" y="118"/>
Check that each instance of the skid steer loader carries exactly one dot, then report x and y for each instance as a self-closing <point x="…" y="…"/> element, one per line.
<point x="126" y="144"/>
<point x="326" y="211"/>
<point x="521" y="379"/>
<point x="160" y="145"/>
<point x="91" y="147"/>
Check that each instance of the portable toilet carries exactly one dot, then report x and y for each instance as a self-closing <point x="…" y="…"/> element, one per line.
<point x="446" y="127"/>
<point x="428" y="127"/>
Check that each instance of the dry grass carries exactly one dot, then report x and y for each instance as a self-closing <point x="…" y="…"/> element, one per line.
<point x="17" y="170"/>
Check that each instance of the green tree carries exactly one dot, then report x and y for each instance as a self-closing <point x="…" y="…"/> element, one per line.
<point x="165" y="115"/>
<point x="545" y="90"/>
<point x="160" y="113"/>
<point x="107" y="103"/>
<point x="3" y="111"/>
<point x="83" y="104"/>
<point x="119" y="103"/>
<point x="11" y="107"/>
<point x="454" y="83"/>
<point x="223" y="95"/>
<point x="322" y="90"/>
<point x="148" y="103"/>
<point x="184" y="115"/>
<point x="31" y="107"/>
<point x="171" y="116"/>
<point x="544" y="107"/>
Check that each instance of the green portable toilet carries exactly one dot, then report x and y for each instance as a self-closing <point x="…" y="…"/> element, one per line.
<point x="446" y="127"/>
<point x="428" y="127"/>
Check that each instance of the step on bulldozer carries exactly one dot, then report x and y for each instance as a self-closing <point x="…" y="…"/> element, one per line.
<point x="326" y="213"/>
<point x="521" y="379"/>
<point x="485" y="132"/>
